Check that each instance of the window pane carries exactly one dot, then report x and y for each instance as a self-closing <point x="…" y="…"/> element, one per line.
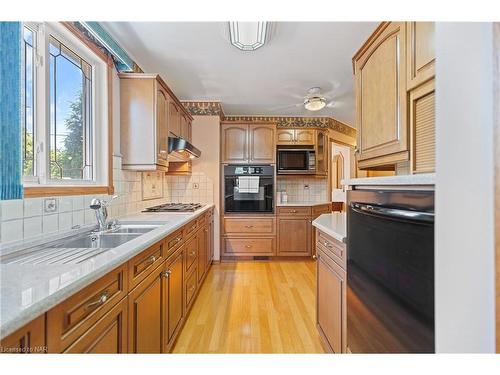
<point x="28" y="133"/>
<point x="70" y="114"/>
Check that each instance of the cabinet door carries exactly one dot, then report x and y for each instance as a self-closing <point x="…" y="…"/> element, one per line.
<point x="262" y="143"/>
<point x="174" y="278"/>
<point x="285" y="136"/>
<point x="107" y="336"/>
<point x="210" y="245"/>
<point x="28" y="339"/>
<point x="234" y="143"/>
<point x="202" y="252"/>
<point x="161" y="127"/>
<point x="145" y="314"/>
<point x="294" y="236"/>
<point x="185" y="127"/>
<point x="174" y="125"/>
<point x="322" y="152"/>
<point x="381" y="99"/>
<point x="421" y="55"/>
<point x="423" y="128"/>
<point x="331" y="284"/>
<point x="304" y="136"/>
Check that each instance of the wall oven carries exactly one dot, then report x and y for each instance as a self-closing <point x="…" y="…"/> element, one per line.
<point x="248" y="189"/>
<point x="390" y="271"/>
<point x="296" y="160"/>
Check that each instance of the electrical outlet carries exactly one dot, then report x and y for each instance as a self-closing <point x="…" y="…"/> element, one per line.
<point x="49" y="205"/>
<point x="306" y="186"/>
<point x="196" y="185"/>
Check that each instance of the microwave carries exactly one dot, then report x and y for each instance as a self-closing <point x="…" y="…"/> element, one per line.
<point x="296" y="160"/>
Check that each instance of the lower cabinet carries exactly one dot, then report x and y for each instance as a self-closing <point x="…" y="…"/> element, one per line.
<point x="28" y="339"/>
<point x="146" y="305"/>
<point x="294" y="236"/>
<point x="174" y="287"/>
<point x="331" y="309"/>
<point x="202" y="252"/>
<point x="107" y="336"/>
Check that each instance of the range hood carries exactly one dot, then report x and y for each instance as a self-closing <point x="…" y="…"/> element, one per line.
<point x="181" y="149"/>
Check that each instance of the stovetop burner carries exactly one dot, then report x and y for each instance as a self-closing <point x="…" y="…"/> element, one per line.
<point x="175" y="207"/>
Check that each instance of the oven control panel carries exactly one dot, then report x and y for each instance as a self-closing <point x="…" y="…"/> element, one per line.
<point x="248" y="170"/>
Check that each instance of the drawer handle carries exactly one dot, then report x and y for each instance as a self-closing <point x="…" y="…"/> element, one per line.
<point x="192" y="253"/>
<point x="192" y="288"/>
<point x="150" y="261"/>
<point x="293" y="211"/>
<point x="192" y="228"/>
<point x="248" y="226"/>
<point x="102" y="299"/>
<point x="327" y="244"/>
<point x="248" y="246"/>
<point x="315" y="257"/>
<point x="167" y="274"/>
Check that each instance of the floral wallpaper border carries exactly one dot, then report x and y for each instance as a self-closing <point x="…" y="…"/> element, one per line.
<point x="206" y="108"/>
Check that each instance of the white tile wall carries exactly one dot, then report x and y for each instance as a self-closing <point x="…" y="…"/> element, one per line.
<point x="26" y="219"/>
<point x="304" y="189"/>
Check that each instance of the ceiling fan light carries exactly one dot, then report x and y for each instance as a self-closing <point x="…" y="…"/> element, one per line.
<point x="314" y="104"/>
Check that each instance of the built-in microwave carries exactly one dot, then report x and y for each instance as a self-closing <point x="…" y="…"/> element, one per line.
<point x="296" y="160"/>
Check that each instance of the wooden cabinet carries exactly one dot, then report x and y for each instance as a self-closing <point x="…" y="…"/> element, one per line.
<point x="315" y="212"/>
<point x="211" y="238"/>
<point x="380" y="79"/>
<point x="185" y="128"/>
<point x="202" y="252"/>
<point x="244" y="143"/>
<point x="321" y="148"/>
<point x="294" y="236"/>
<point x="174" y="119"/>
<point x="421" y="54"/>
<point x="331" y="306"/>
<point x="260" y="246"/>
<point x="295" y="137"/>
<point x="174" y="287"/>
<point x="28" y="339"/>
<point x="145" y="304"/>
<point x="423" y="128"/>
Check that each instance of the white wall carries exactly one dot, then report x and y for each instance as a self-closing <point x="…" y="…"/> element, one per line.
<point x="464" y="189"/>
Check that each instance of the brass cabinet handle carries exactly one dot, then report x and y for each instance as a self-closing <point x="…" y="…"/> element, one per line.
<point x="327" y="244"/>
<point x="150" y="261"/>
<point x="248" y="246"/>
<point x="102" y="299"/>
<point x="315" y="256"/>
<point x="192" y="253"/>
<point x="192" y="288"/>
<point x="293" y="211"/>
<point x="248" y="226"/>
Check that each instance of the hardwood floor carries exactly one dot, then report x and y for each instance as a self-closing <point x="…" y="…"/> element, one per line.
<point x="254" y="307"/>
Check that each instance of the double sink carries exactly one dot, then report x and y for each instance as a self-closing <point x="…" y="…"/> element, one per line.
<point x="80" y="247"/>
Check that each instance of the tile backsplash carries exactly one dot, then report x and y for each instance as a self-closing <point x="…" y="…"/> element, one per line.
<point x="304" y="189"/>
<point x="27" y="219"/>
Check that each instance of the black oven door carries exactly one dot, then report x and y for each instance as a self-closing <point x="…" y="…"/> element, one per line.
<point x="260" y="202"/>
<point x="390" y="272"/>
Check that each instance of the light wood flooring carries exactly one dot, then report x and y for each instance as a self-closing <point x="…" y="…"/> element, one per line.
<point x="254" y="307"/>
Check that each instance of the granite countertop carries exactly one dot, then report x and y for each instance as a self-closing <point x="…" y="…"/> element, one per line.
<point x="412" y="179"/>
<point x="299" y="204"/>
<point x="28" y="290"/>
<point x="333" y="224"/>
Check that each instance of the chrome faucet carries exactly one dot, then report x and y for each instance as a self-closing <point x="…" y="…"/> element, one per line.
<point x="100" y="206"/>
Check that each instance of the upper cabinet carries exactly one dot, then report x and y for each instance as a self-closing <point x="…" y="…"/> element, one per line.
<point x="295" y="137"/>
<point x="149" y="114"/>
<point x="321" y="146"/>
<point x="248" y="143"/>
<point x="421" y="55"/>
<point x="380" y="75"/>
<point x="397" y="59"/>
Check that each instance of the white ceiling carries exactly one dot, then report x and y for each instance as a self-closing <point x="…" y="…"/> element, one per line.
<point x="198" y="63"/>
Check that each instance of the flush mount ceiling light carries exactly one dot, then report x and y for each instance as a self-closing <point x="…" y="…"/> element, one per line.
<point x="248" y="36"/>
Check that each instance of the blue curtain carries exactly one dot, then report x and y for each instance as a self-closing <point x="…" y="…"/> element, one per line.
<point x="10" y="111"/>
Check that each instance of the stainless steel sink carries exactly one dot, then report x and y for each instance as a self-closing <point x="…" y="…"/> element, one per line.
<point x="135" y="228"/>
<point x="107" y="240"/>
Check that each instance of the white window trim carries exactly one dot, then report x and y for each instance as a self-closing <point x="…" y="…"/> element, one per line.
<point x="42" y="108"/>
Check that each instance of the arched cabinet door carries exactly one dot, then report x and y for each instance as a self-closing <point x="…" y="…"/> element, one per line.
<point x="234" y="144"/>
<point x="262" y="141"/>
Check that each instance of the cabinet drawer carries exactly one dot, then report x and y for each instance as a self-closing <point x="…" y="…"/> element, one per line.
<point x="294" y="211"/>
<point x="173" y="242"/>
<point x="319" y="210"/>
<point x="190" y="228"/>
<point x="248" y="226"/>
<point x="191" y="285"/>
<point x="141" y="265"/>
<point x="70" y="319"/>
<point x="249" y="246"/>
<point x="333" y="248"/>
<point x="191" y="252"/>
<point x="201" y="221"/>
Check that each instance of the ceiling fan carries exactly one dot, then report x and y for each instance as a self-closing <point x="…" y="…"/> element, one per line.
<point x="313" y="101"/>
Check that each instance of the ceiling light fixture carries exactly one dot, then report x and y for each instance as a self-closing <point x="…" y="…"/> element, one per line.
<point x="248" y="36"/>
<point x="314" y="103"/>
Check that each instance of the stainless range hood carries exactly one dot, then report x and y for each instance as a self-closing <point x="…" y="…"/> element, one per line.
<point x="181" y="149"/>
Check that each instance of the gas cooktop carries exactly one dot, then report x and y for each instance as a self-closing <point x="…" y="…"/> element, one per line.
<point x="175" y="207"/>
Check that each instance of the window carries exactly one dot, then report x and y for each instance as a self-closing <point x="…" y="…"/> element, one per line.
<point x="65" y="95"/>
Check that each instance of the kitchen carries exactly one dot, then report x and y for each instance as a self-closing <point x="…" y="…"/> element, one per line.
<point x="203" y="218"/>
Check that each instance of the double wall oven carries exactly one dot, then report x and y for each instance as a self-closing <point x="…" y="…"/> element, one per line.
<point x="390" y="271"/>
<point x="249" y="189"/>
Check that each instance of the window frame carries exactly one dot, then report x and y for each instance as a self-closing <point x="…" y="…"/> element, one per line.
<point x="102" y="70"/>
